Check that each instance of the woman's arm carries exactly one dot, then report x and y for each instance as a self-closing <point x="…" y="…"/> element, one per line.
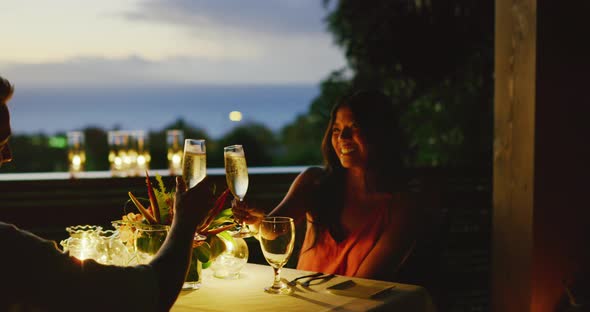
<point x="294" y="204"/>
<point x="300" y="195"/>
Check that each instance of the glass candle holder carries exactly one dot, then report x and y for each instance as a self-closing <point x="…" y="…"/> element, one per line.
<point x="82" y="241"/>
<point x="174" y="139"/>
<point x="111" y="249"/>
<point x="76" y="152"/>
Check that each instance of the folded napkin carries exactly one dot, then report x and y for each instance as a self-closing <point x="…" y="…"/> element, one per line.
<point x="359" y="289"/>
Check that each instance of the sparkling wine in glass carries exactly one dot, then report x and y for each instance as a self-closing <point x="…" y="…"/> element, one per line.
<point x="194" y="170"/>
<point x="236" y="174"/>
<point x="194" y="162"/>
<point x="277" y="238"/>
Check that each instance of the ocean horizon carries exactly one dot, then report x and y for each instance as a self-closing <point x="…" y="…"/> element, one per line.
<point x="151" y="108"/>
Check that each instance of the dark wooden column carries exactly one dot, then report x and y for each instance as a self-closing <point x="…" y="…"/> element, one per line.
<point x="514" y="123"/>
<point x="542" y="138"/>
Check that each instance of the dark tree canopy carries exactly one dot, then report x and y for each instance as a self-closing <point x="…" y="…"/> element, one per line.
<point x="434" y="58"/>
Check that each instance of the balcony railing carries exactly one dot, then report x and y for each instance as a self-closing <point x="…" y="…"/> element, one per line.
<point x="45" y="203"/>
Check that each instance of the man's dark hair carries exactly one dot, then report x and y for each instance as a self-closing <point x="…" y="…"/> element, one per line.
<point x="6" y="90"/>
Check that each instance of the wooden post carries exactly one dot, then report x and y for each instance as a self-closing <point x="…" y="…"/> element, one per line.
<point x="514" y="110"/>
<point x="541" y="225"/>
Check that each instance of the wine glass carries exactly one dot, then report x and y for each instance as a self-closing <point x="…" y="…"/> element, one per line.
<point x="194" y="166"/>
<point x="236" y="175"/>
<point x="194" y="162"/>
<point x="277" y="237"/>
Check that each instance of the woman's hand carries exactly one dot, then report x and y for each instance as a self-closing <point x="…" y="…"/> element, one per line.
<point x="249" y="215"/>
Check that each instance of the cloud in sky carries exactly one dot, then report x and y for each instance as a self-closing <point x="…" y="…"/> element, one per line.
<point x="168" y="41"/>
<point x="277" y="17"/>
<point x="135" y="70"/>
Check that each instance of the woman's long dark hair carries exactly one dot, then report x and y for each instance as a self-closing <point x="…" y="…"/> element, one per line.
<point x="378" y="121"/>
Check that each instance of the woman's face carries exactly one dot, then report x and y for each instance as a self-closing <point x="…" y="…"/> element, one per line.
<point x="348" y="143"/>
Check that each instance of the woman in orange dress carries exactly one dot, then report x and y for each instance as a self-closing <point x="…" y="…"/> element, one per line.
<point x="359" y="219"/>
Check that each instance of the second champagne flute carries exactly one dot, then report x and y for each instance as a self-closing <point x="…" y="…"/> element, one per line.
<point x="194" y="162"/>
<point x="236" y="174"/>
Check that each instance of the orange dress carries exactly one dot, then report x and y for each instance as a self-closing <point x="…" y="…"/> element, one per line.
<point x="345" y="257"/>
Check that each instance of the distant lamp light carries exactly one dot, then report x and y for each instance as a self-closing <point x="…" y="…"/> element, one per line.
<point x="235" y="116"/>
<point x="76" y="161"/>
<point x="141" y="160"/>
<point x="176" y="159"/>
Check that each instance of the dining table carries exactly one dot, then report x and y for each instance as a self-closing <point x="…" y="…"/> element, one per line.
<point x="339" y="293"/>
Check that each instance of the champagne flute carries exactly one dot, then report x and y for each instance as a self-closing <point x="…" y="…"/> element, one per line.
<point x="236" y="175"/>
<point x="277" y="238"/>
<point x="194" y="162"/>
<point x="194" y="166"/>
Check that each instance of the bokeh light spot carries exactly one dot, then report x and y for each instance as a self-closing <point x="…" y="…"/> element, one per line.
<point x="235" y="116"/>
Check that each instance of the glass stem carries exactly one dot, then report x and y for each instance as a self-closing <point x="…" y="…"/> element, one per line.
<point x="277" y="281"/>
<point x="244" y="226"/>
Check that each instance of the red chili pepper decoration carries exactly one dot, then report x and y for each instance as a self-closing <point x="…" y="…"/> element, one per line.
<point x="215" y="211"/>
<point x="145" y="212"/>
<point x="153" y="201"/>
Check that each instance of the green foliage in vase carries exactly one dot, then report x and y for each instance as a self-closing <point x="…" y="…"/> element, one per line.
<point x="161" y="212"/>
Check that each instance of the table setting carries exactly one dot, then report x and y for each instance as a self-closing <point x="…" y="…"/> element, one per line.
<point x="219" y="277"/>
<point x="247" y="293"/>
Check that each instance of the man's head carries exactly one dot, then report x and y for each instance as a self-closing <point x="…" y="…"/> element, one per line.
<point x="6" y="91"/>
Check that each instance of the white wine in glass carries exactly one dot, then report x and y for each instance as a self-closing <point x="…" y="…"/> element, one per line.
<point x="236" y="175"/>
<point x="194" y="162"/>
<point x="194" y="170"/>
<point x="277" y="238"/>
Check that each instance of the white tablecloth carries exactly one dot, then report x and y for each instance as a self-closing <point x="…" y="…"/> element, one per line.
<point x="247" y="294"/>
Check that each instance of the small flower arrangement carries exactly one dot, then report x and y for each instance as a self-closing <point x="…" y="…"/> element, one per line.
<point x="161" y="212"/>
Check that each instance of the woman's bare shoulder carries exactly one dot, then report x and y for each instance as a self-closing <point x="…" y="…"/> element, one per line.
<point x="311" y="176"/>
<point x="314" y="172"/>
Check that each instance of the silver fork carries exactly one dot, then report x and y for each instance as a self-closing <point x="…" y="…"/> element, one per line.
<point x="293" y="282"/>
<point x="323" y="277"/>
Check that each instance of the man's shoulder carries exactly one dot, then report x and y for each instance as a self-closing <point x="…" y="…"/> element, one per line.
<point x="7" y="228"/>
<point x="10" y="233"/>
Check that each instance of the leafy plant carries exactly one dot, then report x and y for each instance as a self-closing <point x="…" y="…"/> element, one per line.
<point x="161" y="212"/>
